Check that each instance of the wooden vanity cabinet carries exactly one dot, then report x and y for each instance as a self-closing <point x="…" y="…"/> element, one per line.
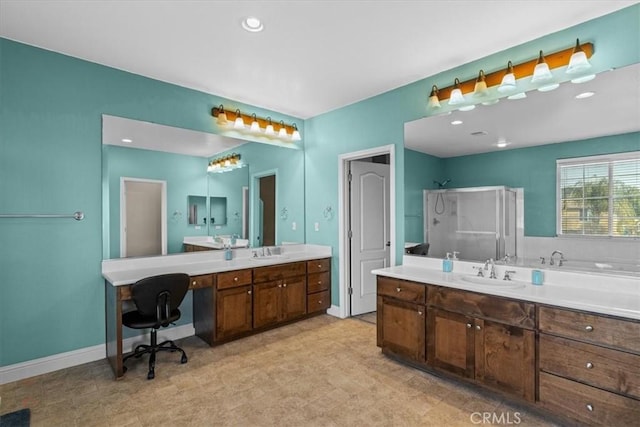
<point x="318" y="285"/>
<point x="234" y="298"/>
<point x="589" y="366"/>
<point x="280" y="294"/>
<point x="485" y="338"/>
<point x="401" y="318"/>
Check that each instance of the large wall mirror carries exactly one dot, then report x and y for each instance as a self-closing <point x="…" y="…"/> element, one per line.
<point x="192" y="201"/>
<point x="460" y="150"/>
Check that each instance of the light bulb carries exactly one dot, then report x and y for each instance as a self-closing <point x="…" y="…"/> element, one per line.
<point x="295" y="136"/>
<point x="578" y="62"/>
<point x="434" y="102"/>
<point x="239" y="123"/>
<point x="269" y="129"/>
<point x="282" y="133"/>
<point x="508" y="83"/>
<point x="480" y="88"/>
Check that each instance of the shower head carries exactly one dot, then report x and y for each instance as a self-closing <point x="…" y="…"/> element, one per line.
<point x="443" y="183"/>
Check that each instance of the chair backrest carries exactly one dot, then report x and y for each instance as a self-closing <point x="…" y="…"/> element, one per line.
<point x="158" y="296"/>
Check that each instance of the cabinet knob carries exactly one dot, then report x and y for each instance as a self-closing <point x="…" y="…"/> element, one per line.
<point x="468" y="325"/>
<point x="235" y="279"/>
<point x="588" y="328"/>
<point x="194" y="283"/>
<point x="319" y="265"/>
<point x="478" y="327"/>
<point x="319" y="282"/>
<point x="284" y="285"/>
<point x="589" y="407"/>
<point x="249" y="292"/>
<point x="398" y="289"/>
<point x="279" y="286"/>
<point x="319" y="301"/>
<point x="420" y="312"/>
<point x="589" y="365"/>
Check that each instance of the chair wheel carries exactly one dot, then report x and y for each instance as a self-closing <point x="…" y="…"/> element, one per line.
<point x="151" y="375"/>
<point x="183" y="359"/>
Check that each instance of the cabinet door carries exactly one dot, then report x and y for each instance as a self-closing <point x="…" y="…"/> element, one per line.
<point x="402" y="328"/>
<point x="294" y="297"/>
<point x="505" y="358"/>
<point x="266" y="303"/>
<point x="233" y="311"/>
<point x="450" y="342"/>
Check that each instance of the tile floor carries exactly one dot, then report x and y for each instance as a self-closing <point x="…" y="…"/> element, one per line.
<point x="318" y="372"/>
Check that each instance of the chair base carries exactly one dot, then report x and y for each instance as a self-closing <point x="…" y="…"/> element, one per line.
<point x="152" y="349"/>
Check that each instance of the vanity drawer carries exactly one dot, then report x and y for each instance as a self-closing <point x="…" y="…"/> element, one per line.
<point x="318" y="265"/>
<point x="402" y="290"/>
<point x="598" y="366"/>
<point x="231" y="279"/>
<point x="593" y="328"/>
<point x="204" y="281"/>
<point x="318" y="302"/>
<point x="587" y="404"/>
<point x="512" y="312"/>
<point x="317" y="282"/>
<point x="280" y="271"/>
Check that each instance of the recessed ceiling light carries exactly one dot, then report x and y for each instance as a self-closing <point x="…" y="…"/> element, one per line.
<point x="502" y="143"/>
<point x="584" y="95"/>
<point x="252" y="24"/>
<point x="456" y="122"/>
<point x="127" y="140"/>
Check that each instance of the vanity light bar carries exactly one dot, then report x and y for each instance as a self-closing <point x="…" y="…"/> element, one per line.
<point x="524" y="69"/>
<point x="247" y="119"/>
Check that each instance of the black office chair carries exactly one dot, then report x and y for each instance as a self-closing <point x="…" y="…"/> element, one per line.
<point x="157" y="299"/>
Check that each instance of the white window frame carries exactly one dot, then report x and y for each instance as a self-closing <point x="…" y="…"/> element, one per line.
<point x="607" y="158"/>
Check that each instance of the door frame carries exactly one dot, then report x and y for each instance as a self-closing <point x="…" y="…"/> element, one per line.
<point x="123" y="213"/>
<point x="254" y="198"/>
<point x="344" y="267"/>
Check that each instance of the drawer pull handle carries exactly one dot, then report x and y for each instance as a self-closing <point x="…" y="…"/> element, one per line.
<point x="398" y="289"/>
<point x="478" y="327"/>
<point x="589" y="365"/>
<point x="588" y="328"/>
<point x="468" y="325"/>
<point x="589" y="407"/>
<point x="249" y="292"/>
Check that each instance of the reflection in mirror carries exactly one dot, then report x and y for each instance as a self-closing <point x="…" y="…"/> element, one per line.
<point x="566" y="123"/>
<point x="197" y="210"/>
<point x="179" y="158"/>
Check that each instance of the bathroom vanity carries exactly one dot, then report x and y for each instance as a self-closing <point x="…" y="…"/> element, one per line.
<point x="570" y="348"/>
<point x="231" y="299"/>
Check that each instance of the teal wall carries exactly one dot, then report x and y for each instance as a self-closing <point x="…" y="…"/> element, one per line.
<point x="52" y="291"/>
<point x="229" y="185"/>
<point x="420" y="170"/>
<point x="379" y="120"/>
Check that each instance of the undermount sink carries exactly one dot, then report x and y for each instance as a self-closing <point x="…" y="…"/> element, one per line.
<point x="485" y="281"/>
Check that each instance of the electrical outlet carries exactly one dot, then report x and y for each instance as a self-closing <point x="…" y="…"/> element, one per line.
<point x="316" y="226"/>
<point x="294" y="226"/>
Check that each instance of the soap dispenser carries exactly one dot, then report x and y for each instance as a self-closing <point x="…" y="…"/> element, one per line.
<point x="447" y="263"/>
<point x="228" y="255"/>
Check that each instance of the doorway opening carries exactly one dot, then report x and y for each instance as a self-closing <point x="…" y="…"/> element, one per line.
<point x="143" y="217"/>
<point x="366" y="225"/>
<point x="264" y="191"/>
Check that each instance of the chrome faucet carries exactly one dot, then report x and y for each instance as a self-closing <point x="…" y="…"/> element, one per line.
<point x="560" y="261"/>
<point x="492" y="274"/>
<point x="480" y="273"/>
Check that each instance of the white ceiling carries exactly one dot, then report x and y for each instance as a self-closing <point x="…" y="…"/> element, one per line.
<point x="541" y="118"/>
<point x="312" y="57"/>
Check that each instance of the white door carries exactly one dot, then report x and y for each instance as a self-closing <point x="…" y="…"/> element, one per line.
<point x="369" y="221"/>
<point x="142" y="230"/>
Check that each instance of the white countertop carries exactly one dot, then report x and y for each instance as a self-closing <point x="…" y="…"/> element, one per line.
<point x="612" y="295"/>
<point x="125" y="271"/>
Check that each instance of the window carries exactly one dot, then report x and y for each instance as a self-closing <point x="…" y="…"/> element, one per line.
<point x="599" y="196"/>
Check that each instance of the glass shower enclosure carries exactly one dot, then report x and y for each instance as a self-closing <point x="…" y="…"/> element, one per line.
<point x="478" y="222"/>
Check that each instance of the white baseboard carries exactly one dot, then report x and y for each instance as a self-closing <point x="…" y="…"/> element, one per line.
<point x="334" y="311"/>
<point x="43" y="365"/>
